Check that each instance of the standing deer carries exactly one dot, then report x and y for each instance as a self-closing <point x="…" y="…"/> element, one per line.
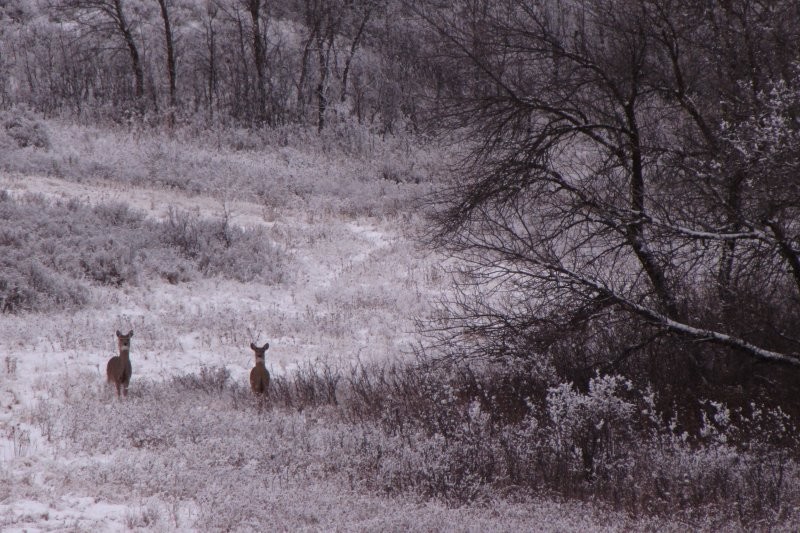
<point x="259" y="376"/>
<point x="119" y="369"/>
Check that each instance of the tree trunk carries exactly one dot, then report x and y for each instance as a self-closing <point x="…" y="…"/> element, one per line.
<point x="787" y="251"/>
<point x="353" y="48"/>
<point x="212" y="59"/>
<point x="733" y="208"/>
<point x="170" y="45"/>
<point x="322" y="102"/>
<point x="259" y="57"/>
<point x="301" y="96"/>
<point x="133" y="51"/>
<point x="635" y="230"/>
<point x="241" y="93"/>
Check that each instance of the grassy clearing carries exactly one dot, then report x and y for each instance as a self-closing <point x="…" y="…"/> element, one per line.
<point x="319" y="263"/>
<point x="330" y="226"/>
<point x="199" y="452"/>
<point x="202" y="248"/>
<point x="318" y="456"/>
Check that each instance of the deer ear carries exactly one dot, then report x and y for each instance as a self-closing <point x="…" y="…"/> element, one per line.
<point x="253" y="346"/>
<point x="266" y="347"/>
<point x="119" y="334"/>
<point x="130" y="333"/>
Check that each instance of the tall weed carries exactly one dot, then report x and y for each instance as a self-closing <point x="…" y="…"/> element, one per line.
<point x="403" y="429"/>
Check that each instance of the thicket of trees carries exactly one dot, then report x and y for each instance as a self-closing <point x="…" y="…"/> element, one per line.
<point x="631" y="204"/>
<point x="250" y="63"/>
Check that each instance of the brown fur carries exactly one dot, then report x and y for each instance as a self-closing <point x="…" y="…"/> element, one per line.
<point x="259" y="376"/>
<point x="119" y="368"/>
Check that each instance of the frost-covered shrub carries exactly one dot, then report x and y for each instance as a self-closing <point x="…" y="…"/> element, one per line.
<point x="754" y="448"/>
<point x="396" y="172"/>
<point x="113" y="267"/>
<point x="311" y="385"/>
<point x="21" y="126"/>
<point x="204" y="438"/>
<point x="754" y="428"/>
<point x="287" y="166"/>
<point x="459" y="466"/>
<point x="218" y="248"/>
<point x="591" y="431"/>
<point x="69" y="238"/>
<point x="210" y="380"/>
<point x="243" y="139"/>
<point x="29" y="286"/>
<point x="670" y="473"/>
<point x="51" y="252"/>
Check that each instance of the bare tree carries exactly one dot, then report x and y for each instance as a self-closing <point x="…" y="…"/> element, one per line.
<point x="169" y="43"/>
<point x="211" y="46"/>
<point x="254" y="7"/>
<point x="107" y="17"/>
<point x="324" y="21"/>
<point x="363" y="12"/>
<point x="614" y="183"/>
<point x="235" y="63"/>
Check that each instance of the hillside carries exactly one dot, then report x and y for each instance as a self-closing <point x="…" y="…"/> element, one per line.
<point x="348" y="283"/>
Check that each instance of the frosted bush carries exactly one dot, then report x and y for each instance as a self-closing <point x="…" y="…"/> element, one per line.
<point x="210" y="380"/>
<point x="51" y="252"/>
<point x="219" y="248"/>
<point x="21" y="126"/>
<point x="286" y="168"/>
<point x="754" y="428"/>
<point x="29" y="286"/>
<point x="592" y="431"/>
<point x="202" y="438"/>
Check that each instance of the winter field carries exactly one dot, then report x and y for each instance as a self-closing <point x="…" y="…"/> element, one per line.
<point x="202" y="247"/>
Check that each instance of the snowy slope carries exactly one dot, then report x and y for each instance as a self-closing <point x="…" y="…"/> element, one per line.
<point x="354" y="283"/>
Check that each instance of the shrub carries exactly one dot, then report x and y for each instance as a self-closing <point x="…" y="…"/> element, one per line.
<point x="218" y="248"/>
<point x="413" y="429"/>
<point x="591" y="432"/>
<point x="21" y="126"/>
<point x="31" y="286"/>
<point x="210" y="380"/>
<point x="51" y="252"/>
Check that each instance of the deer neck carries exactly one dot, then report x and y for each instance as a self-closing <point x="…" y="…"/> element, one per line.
<point x="260" y="362"/>
<point x="125" y="354"/>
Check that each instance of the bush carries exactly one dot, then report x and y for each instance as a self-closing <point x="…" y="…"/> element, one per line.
<point x="210" y="380"/>
<point x="21" y="126"/>
<point x="447" y="433"/>
<point x="411" y="429"/>
<point x="591" y="432"/>
<point x="52" y="252"/>
<point x="30" y="286"/>
<point x="218" y="248"/>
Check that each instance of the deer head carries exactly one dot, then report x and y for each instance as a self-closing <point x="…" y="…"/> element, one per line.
<point x="260" y="352"/>
<point x="124" y="341"/>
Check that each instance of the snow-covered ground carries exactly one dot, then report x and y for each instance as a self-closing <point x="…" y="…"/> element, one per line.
<point x="353" y="287"/>
<point x="354" y="283"/>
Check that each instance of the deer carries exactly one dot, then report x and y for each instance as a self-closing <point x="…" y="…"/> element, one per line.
<point x="259" y="376"/>
<point x="119" y="369"/>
